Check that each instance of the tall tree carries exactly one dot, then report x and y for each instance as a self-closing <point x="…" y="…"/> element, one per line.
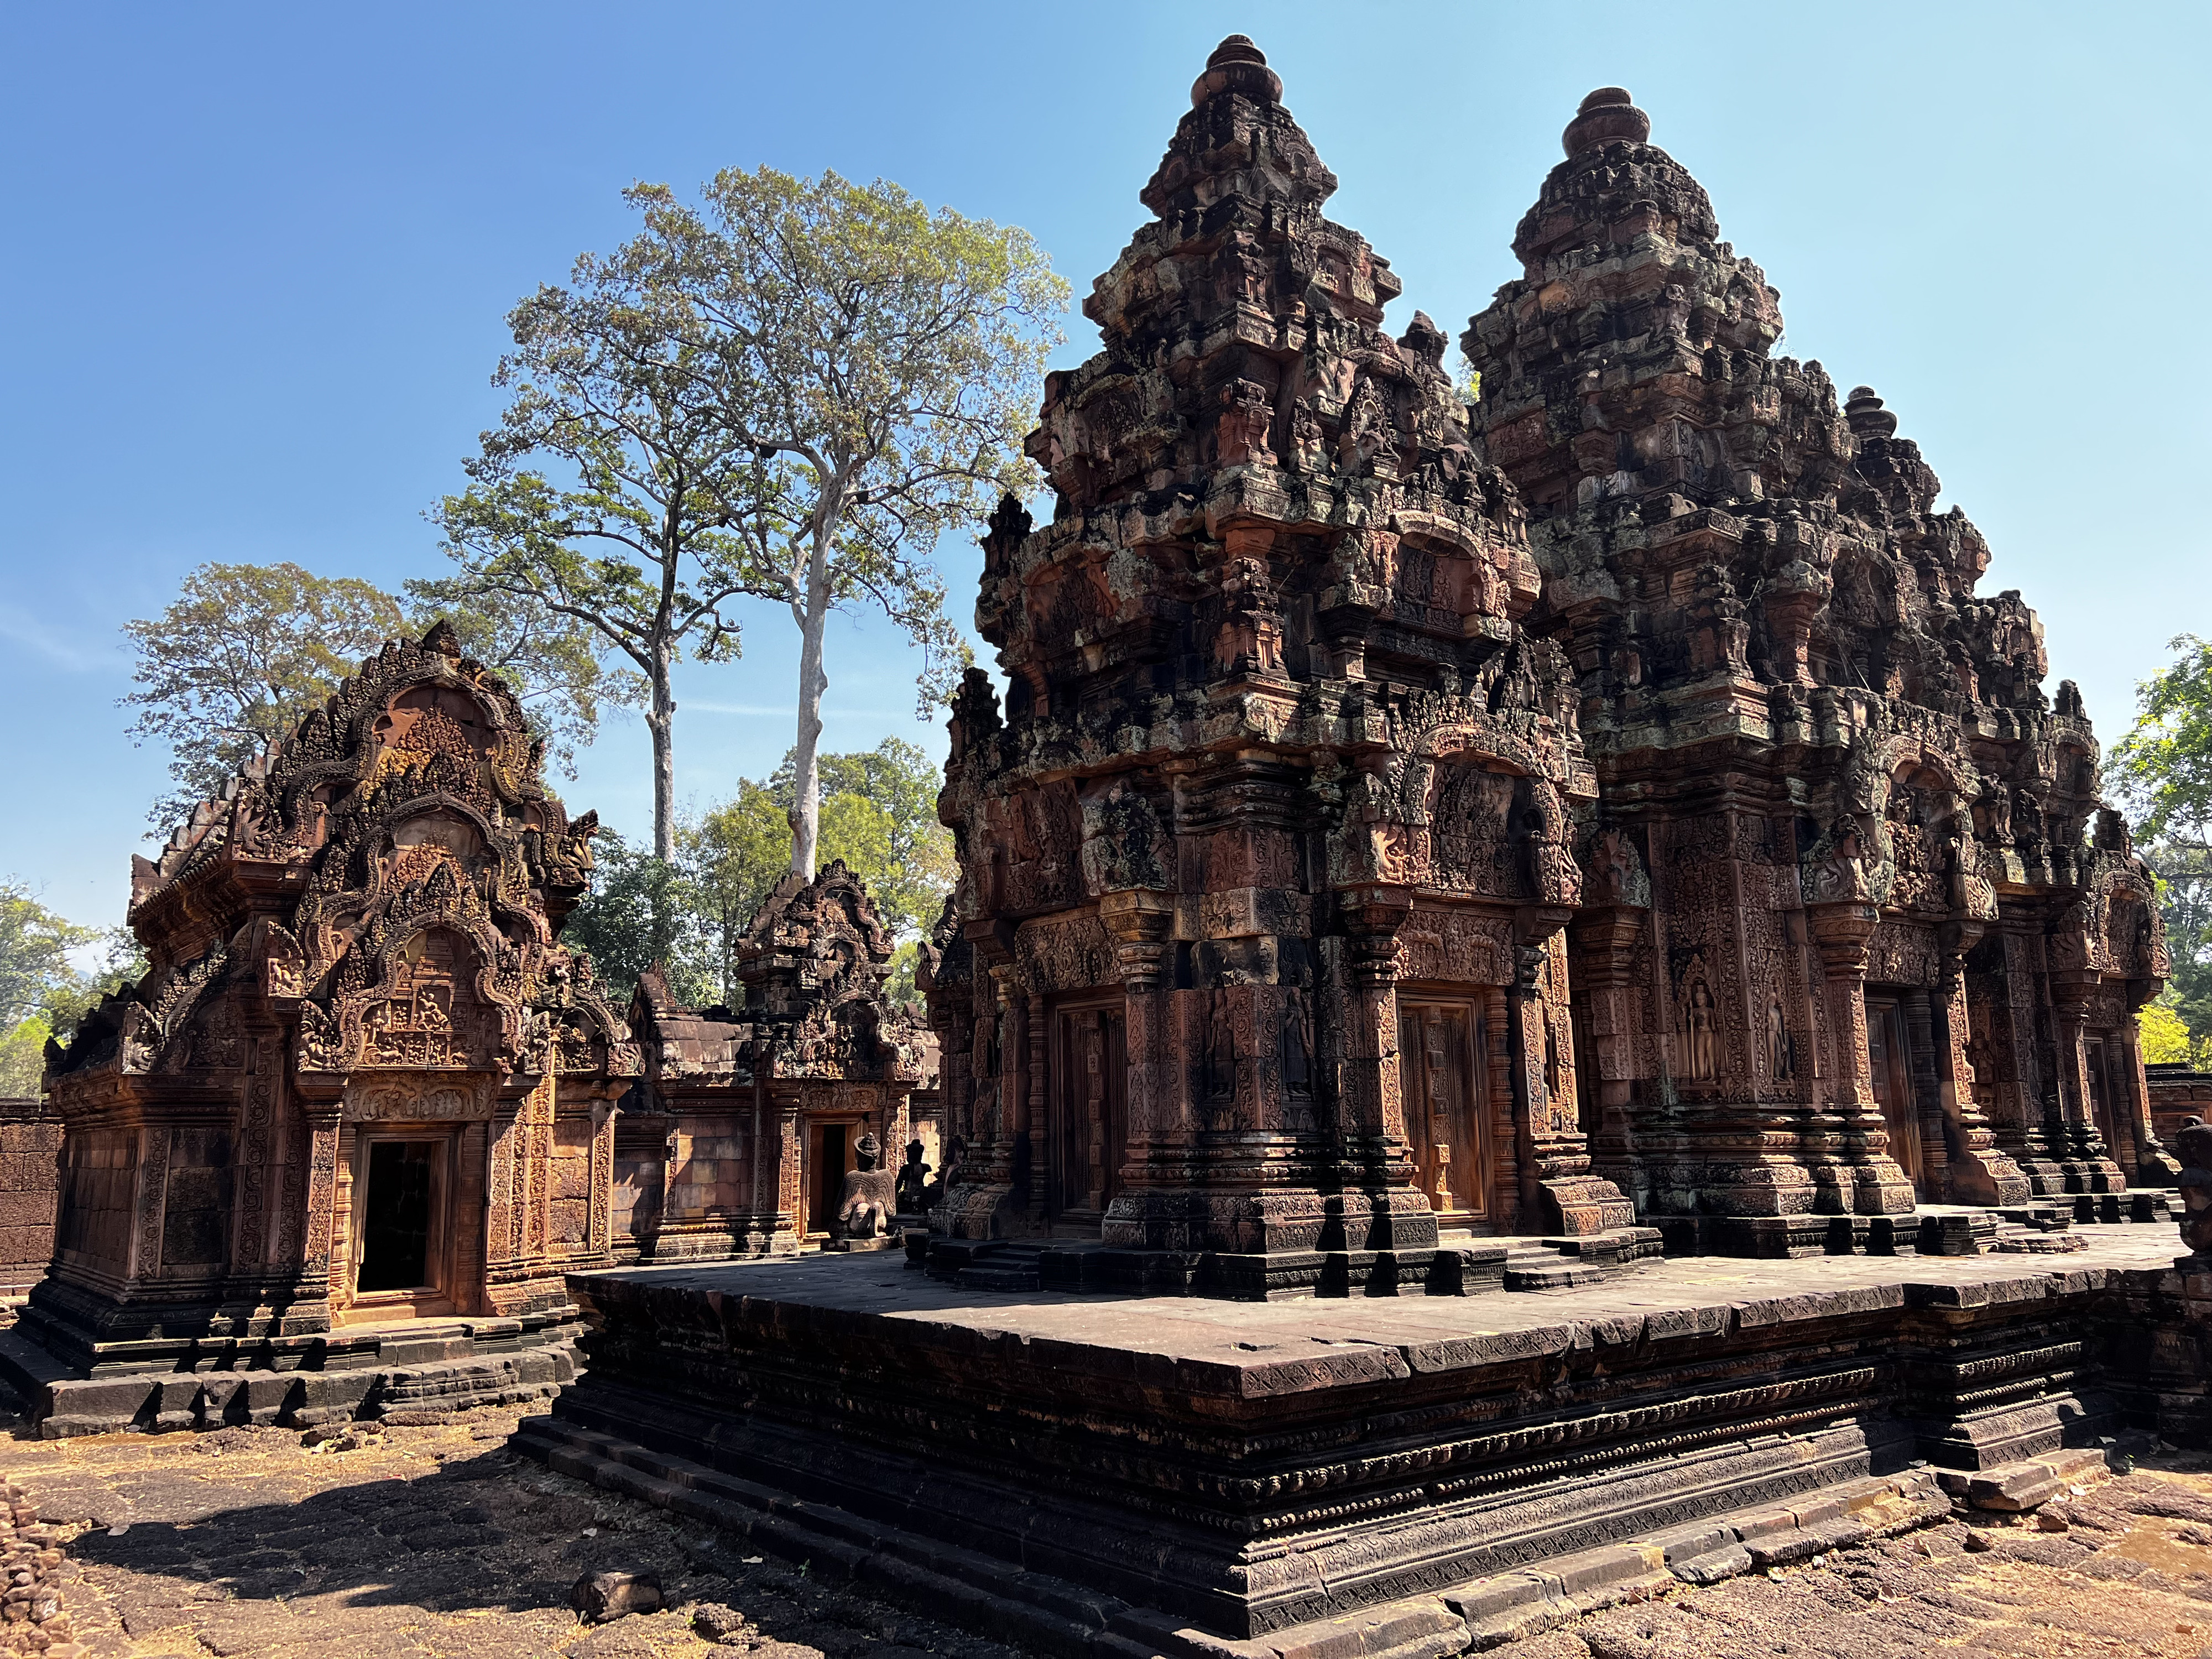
<point x="883" y="364"/>
<point x="641" y="909"/>
<point x="608" y="492"/>
<point x="238" y="660"/>
<point x="878" y="814"/>
<point x="734" y="855"/>
<point x="246" y="651"/>
<point x="2162" y="771"/>
<point x="34" y="952"/>
<point x="896" y="784"/>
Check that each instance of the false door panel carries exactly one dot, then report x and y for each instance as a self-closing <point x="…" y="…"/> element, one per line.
<point x="1889" y="1048"/>
<point x="1447" y="1107"/>
<point x="1090" y="1108"/>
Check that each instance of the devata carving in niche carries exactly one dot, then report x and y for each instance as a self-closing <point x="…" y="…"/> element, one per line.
<point x="1700" y="1047"/>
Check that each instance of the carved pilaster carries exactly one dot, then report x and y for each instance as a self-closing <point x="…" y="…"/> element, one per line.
<point x="1370" y="1084"/>
<point x="1879" y="1186"/>
<point x="1559" y="1189"/>
<point x="1979" y="1173"/>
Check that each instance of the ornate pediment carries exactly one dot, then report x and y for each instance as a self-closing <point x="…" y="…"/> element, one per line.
<point x="419" y="870"/>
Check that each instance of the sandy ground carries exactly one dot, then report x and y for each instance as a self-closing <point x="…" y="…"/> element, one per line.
<point x="436" y="1541"/>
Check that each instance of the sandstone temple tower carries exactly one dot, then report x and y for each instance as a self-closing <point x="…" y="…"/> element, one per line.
<point x="1856" y="930"/>
<point x="1256" y="969"/>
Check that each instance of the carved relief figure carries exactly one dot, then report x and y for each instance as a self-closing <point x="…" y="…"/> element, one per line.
<point x="1700" y="1043"/>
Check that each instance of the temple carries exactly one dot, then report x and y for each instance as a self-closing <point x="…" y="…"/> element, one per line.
<point x="738" y="1138"/>
<point x="1256" y="971"/>
<point x="1605" y="803"/>
<point x="1538" y="1004"/>
<point x="1857" y="932"/>
<point x="365" y="1113"/>
<point x="1432" y="851"/>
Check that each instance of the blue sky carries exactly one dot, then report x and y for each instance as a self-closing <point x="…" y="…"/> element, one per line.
<point x="257" y="260"/>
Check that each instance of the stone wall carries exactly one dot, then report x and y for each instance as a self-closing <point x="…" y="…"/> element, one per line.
<point x="2178" y="1094"/>
<point x="30" y="1148"/>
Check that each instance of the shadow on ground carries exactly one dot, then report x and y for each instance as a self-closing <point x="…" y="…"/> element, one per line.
<point x="430" y="1542"/>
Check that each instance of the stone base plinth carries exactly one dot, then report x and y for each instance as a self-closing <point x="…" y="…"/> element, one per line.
<point x="1148" y="1467"/>
<point x="362" y="1371"/>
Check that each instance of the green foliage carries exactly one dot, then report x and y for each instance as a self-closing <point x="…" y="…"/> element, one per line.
<point x="878" y="815"/>
<point x="2165" y="1037"/>
<point x="41" y="994"/>
<point x="734" y="856"/>
<point x="883" y="364"/>
<point x="123" y="964"/>
<point x="900" y="987"/>
<point x="2163" y="767"/>
<point x="607" y="495"/>
<point x="2184" y="899"/>
<point x="246" y="651"/>
<point x="641" y="909"/>
<point x="34" y="951"/>
<point x="897" y="847"/>
<point x="238" y="658"/>
<point x="2163" y="772"/>
<point x="23" y="1057"/>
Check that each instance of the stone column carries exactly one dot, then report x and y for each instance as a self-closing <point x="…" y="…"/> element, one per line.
<point x="1370" y="1082"/>
<point x="1979" y="1173"/>
<point x="1032" y="1155"/>
<point x="1559" y="1191"/>
<point x="2088" y="1162"/>
<point x="1141" y="924"/>
<point x="982" y="1204"/>
<point x="317" y="1272"/>
<point x="1605" y="968"/>
<point x="1841" y="931"/>
<point x="790" y="1168"/>
<point x="1371" y="1088"/>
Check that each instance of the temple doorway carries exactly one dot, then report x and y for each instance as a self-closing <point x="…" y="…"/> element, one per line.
<point x="1446" y="1105"/>
<point x="828" y="1156"/>
<point x="1090" y="1068"/>
<point x="1889" y="1047"/>
<point x="399" y="1215"/>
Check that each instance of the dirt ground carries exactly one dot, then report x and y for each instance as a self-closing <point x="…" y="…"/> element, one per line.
<point x="435" y="1542"/>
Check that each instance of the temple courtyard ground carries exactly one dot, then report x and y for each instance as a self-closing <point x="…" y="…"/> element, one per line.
<point x="435" y="1535"/>
<point x="436" y="1541"/>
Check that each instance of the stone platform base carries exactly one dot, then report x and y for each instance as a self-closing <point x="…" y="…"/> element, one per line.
<point x="1191" y="1476"/>
<point x="1051" y="1615"/>
<point x="416" y="1365"/>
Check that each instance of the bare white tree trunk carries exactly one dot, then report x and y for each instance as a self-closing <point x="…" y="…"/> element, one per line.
<point x="806" y="804"/>
<point x="660" y="720"/>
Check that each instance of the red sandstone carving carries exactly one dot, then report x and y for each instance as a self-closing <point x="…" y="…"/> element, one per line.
<point x="1281" y="780"/>
<point x="1863" y="821"/>
<point x="348" y="1040"/>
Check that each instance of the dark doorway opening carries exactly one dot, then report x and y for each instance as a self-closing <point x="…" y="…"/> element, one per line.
<point x="831" y="1150"/>
<point x="395" y="1252"/>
